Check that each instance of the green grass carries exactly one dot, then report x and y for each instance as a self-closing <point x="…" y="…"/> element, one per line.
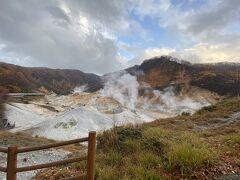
<point x="232" y="139"/>
<point x="186" y="157"/>
<point x="150" y="151"/>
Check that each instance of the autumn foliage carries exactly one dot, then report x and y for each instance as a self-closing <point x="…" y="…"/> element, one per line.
<point x="25" y="79"/>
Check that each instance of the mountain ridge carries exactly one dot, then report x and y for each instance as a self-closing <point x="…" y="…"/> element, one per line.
<point x="61" y="81"/>
<point x="158" y="72"/>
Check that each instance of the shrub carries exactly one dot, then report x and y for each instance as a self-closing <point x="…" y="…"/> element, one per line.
<point x="129" y="133"/>
<point x="207" y="109"/>
<point x="116" y="137"/>
<point x="186" y="114"/>
<point x="107" y="140"/>
<point x="153" y="144"/>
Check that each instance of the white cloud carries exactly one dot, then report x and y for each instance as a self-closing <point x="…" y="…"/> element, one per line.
<point x="150" y="53"/>
<point x="206" y="27"/>
<point x="151" y="7"/>
<point x="208" y="53"/>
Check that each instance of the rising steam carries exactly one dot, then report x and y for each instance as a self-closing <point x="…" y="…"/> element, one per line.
<point x="167" y="101"/>
<point x="80" y="89"/>
<point x="123" y="87"/>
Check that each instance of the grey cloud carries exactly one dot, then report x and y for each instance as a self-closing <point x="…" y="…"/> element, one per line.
<point x="52" y="33"/>
<point x="49" y="36"/>
<point x="58" y="13"/>
<point x="108" y="12"/>
<point x="213" y="17"/>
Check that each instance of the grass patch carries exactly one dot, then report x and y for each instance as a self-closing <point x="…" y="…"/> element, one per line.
<point x="149" y="161"/>
<point x="186" y="157"/>
<point x="151" y="152"/>
<point x="232" y="139"/>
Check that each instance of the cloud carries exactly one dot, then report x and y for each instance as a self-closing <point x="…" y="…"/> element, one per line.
<point x="205" y="32"/>
<point x="93" y="35"/>
<point x="62" y="34"/>
<point x="151" y="8"/>
<point x="198" y="53"/>
<point x="213" y="17"/>
<point x="150" y="53"/>
<point x="208" y="53"/>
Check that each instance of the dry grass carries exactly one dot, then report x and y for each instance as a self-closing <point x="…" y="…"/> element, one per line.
<point x="153" y="153"/>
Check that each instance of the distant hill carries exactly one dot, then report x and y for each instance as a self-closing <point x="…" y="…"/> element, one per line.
<point x="27" y="79"/>
<point x="222" y="78"/>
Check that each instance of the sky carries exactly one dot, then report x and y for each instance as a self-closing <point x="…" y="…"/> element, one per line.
<point x="101" y="36"/>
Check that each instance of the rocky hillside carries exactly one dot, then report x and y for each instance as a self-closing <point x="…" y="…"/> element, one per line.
<point x="61" y="81"/>
<point x="221" y="78"/>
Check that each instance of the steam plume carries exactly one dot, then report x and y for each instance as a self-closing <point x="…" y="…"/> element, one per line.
<point x="123" y="87"/>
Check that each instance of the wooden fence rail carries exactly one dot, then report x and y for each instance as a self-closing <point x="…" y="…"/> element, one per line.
<point x="13" y="151"/>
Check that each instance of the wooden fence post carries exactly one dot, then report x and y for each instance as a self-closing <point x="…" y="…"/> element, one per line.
<point x="12" y="163"/>
<point x="91" y="155"/>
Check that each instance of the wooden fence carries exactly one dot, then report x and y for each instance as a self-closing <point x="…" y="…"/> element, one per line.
<point x="13" y="151"/>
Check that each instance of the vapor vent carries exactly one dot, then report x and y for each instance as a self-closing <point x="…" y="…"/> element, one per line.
<point x="168" y="101"/>
<point x="123" y="87"/>
<point x="80" y="89"/>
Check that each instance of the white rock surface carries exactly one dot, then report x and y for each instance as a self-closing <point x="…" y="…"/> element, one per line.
<point x="74" y="115"/>
<point x="33" y="158"/>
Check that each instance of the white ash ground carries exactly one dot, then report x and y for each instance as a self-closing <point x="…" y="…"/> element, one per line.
<point x="33" y="158"/>
<point x="74" y="115"/>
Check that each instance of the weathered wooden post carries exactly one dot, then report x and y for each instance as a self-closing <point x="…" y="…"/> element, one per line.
<point x="91" y="155"/>
<point x="12" y="163"/>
